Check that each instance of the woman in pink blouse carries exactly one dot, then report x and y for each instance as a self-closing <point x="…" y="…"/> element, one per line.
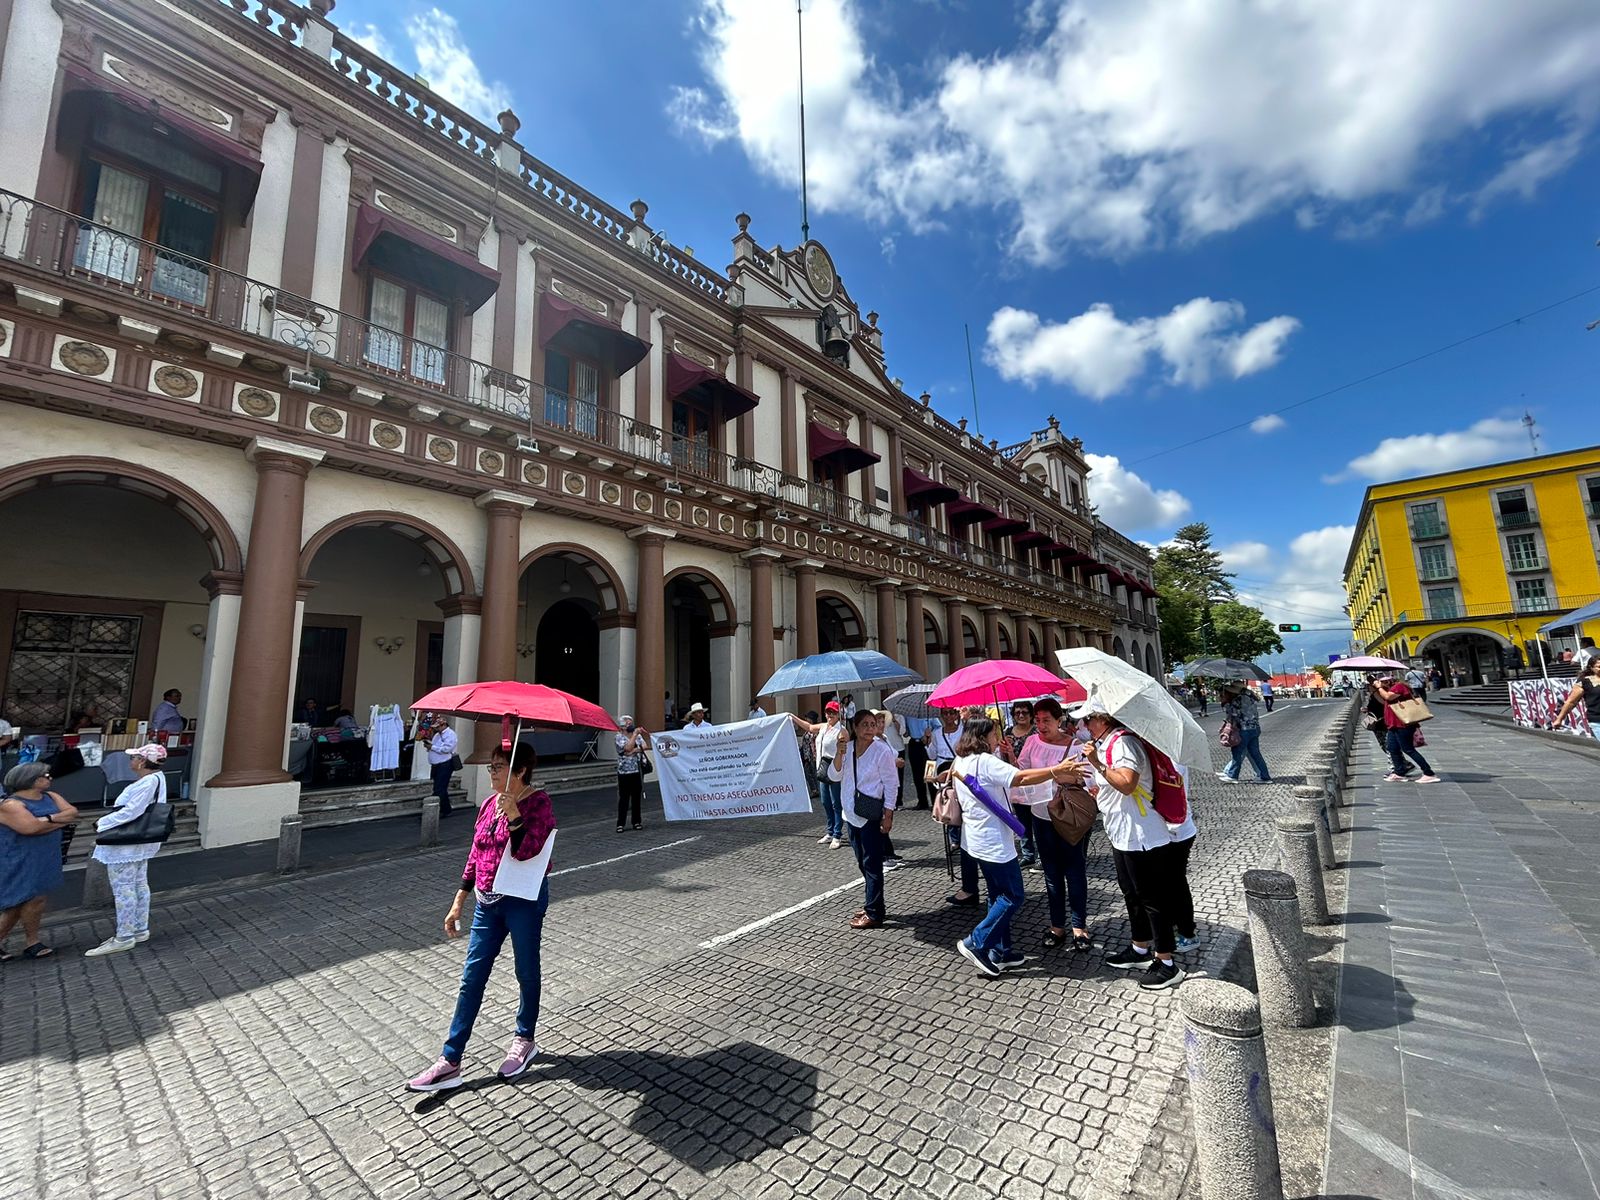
<point x="513" y="825"/>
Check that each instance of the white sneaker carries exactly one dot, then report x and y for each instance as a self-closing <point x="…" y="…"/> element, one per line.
<point x="892" y="864"/>
<point x="836" y="843"/>
<point x="825" y="839"/>
<point x="142" y="938"/>
<point x="111" y="945"/>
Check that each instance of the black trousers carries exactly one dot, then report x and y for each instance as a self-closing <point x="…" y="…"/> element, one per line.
<point x="1182" y="897"/>
<point x="440" y="774"/>
<point x="1146" y="878"/>
<point x="917" y="758"/>
<point x="630" y="792"/>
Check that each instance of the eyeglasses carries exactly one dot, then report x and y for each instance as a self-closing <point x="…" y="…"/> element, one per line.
<point x="47" y="775"/>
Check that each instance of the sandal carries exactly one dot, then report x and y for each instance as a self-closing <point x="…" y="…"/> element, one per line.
<point x="1081" y="942"/>
<point x="38" y="950"/>
<point x="1052" y="939"/>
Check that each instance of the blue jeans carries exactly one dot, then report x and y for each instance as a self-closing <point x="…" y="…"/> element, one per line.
<point x="1066" y="875"/>
<point x="993" y="934"/>
<point x="828" y="793"/>
<point x="523" y="920"/>
<point x="1403" y="742"/>
<point x="1249" y="743"/>
<point x="868" y="843"/>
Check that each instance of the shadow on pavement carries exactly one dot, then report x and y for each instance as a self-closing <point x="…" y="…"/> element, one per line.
<point x="1372" y="1000"/>
<point x="1360" y="918"/>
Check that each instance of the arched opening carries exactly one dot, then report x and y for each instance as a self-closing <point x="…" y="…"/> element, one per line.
<point x="1467" y="656"/>
<point x="1134" y="657"/>
<point x="1117" y="649"/>
<point x="932" y="639"/>
<point x="1152" y="664"/>
<point x="839" y="624"/>
<point x="561" y="597"/>
<point x="688" y="649"/>
<point x="101" y="607"/>
<point x="1006" y="650"/>
<point x="1035" y="653"/>
<point x="567" y="649"/>
<point x="971" y="643"/>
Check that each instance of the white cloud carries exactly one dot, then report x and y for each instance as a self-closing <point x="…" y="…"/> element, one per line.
<point x="1302" y="587"/>
<point x="1245" y="557"/>
<point x="1126" y="502"/>
<point x="1099" y="354"/>
<point x="1490" y="440"/>
<point x="1119" y="124"/>
<point x="444" y="60"/>
<point x="1267" y="423"/>
<point x="370" y="36"/>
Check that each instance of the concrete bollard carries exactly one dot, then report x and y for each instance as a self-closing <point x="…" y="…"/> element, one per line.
<point x="1330" y="814"/>
<point x="1297" y="847"/>
<point x="1230" y="1099"/>
<point x="430" y="821"/>
<point x="1312" y="803"/>
<point x="96" y="885"/>
<point x="289" y="843"/>
<point x="1277" y="941"/>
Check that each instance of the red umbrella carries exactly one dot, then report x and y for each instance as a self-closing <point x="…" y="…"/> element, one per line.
<point x="529" y="703"/>
<point x="1000" y="679"/>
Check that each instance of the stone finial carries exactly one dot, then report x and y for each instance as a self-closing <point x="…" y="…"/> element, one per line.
<point x="639" y="209"/>
<point x="872" y="319"/>
<point x="926" y="399"/>
<point x="743" y="222"/>
<point x="509" y="124"/>
<point x="1053" y="423"/>
<point x="994" y="443"/>
<point x="962" y="424"/>
<point x="322" y="7"/>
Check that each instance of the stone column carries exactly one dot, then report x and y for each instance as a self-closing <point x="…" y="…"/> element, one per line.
<point x="263" y="661"/>
<point x="991" y="630"/>
<point x="955" y="636"/>
<point x="888" y="620"/>
<point x="463" y="619"/>
<point x="1278" y="944"/>
<point x="916" y="641"/>
<point x="760" y="563"/>
<point x="1019" y="634"/>
<point x="497" y="627"/>
<point x="617" y="651"/>
<point x="1236" y="1141"/>
<point x="650" y="625"/>
<point x="1297" y="847"/>
<point x="805" y="620"/>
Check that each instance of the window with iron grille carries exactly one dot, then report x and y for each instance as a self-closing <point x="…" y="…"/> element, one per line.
<point x="1532" y="595"/>
<point x="1523" y="550"/>
<point x="1442" y="604"/>
<point x="62" y="663"/>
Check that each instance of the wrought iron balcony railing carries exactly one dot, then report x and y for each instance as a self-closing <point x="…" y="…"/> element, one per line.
<point x="1429" y="529"/>
<point x="1516" y="519"/>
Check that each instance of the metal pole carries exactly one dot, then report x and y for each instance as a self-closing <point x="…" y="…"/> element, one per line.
<point x="800" y="40"/>
<point x="972" y="378"/>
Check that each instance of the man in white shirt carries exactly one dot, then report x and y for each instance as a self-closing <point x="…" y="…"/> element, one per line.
<point x="1417" y="681"/>
<point x="1141" y="845"/>
<point x="697" y="717"/>
<point x="756" y="711"/>
<point x="441" y="742"/>
<point x="848" y="704"/>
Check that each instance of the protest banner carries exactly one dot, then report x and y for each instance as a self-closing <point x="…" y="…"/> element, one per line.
<point x="746" y="769"/>
<point x="1535" y="702"/>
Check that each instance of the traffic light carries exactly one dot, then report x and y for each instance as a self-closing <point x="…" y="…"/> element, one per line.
<point x="1288" y="629"/>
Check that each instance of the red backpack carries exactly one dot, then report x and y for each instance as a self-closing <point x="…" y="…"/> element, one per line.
<point x="1171" y="799"/>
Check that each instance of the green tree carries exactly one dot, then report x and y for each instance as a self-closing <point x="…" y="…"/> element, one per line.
<point x="1242" y="632"/>
<point x="1324" y="670"/>
<point x="1194" y="588"/>
<point x="1190" y="564"/>
<point x="1180" y="626"/>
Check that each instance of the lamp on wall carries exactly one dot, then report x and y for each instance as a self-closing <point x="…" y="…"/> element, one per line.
<point x="198" y="631"/>
<point x="524" y="649"/>
<point x="565" y="588"/>
<point x="388" y="644"/>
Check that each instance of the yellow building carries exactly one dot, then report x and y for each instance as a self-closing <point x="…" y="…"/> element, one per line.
<point x="1462" y="568"/>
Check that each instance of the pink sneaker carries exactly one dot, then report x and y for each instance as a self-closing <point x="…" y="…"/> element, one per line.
<point x="518" y="1058"/>
<point x="440" y="1077"/>
<point x="1429" y="779"/>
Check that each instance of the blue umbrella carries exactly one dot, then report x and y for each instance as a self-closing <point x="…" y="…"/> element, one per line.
<point x="865" y="669"/>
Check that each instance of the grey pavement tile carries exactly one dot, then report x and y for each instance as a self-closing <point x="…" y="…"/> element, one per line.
<point x="1481" y="1159"/>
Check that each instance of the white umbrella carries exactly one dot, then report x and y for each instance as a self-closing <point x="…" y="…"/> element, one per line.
<point x="1141" y="703"/>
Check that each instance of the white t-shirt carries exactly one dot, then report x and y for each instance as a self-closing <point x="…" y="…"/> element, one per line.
<point x="894" y="732"/>
<point x="6" y="728"/>
<point x="756" y="712"/>
<point x="1131" y="822"/>
<point x="828" y="741"/>
<point x="942" y="745"/>
<point x="1036" y="753"/>
<point x="1185" y="831"/>
<point x="983" y="835"/>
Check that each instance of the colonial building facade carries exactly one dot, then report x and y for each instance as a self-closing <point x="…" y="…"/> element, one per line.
<point x="313" y="386"/>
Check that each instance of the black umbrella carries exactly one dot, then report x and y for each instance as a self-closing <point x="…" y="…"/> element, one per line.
<point x="1225" y="668"/>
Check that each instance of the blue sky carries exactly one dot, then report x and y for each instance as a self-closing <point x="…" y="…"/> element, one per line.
<point x="1159" y="218"/>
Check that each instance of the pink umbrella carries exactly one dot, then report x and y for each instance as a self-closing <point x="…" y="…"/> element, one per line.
<point x="999" y="679"/>
<point x="1366" y="662"/>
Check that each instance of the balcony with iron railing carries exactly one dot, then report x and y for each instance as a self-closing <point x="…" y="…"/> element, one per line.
<point x="1516" y="518"/>
<point x="1506" y="609"/>
<point x="1425" y="529"/>
<point x="156" y="281"/>
<point x="1436" y="573"/>
<point x="1524" y="563"/>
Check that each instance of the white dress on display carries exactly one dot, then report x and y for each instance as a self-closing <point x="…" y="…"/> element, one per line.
<point x="384" y="731"/>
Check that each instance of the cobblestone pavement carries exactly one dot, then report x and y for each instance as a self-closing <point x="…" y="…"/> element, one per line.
<point x="256" y="1046"/>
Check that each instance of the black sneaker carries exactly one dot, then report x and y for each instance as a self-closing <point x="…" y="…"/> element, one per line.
<point x="1161" y="975"/>
<point x="981" y="961"/>
<point x="957" y="902"/>
<point x="1009" y="960"/>
<point x="1129" y="960"/>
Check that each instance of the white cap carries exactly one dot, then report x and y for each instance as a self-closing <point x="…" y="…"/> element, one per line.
<point x="694" y="708"/>
<point x="1090" y="704"/>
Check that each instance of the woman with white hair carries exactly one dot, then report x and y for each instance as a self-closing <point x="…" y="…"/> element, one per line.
<point x="128" y="865"/>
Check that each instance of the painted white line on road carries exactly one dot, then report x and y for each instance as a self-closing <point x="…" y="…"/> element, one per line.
<point x="606" y="862"/>
<point x="724" y="938"/>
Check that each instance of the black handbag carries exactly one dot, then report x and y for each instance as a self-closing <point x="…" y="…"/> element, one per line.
<point x="868" y="808"/>
<point x="154" y="824"/>
<point x="646" y="766"/>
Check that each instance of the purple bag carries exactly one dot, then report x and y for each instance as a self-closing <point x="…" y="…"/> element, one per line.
<point x="1002" y="811"/>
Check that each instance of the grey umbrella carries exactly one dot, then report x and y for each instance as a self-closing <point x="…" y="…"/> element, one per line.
<point x="912" y="702"/>
<point x="1225" y="668"/>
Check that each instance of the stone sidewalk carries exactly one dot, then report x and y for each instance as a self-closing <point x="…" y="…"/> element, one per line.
<point x="710" y="1029"/>
<point x="1466" y="1061"/>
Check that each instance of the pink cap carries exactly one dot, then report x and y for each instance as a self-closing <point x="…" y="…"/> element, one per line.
<point x="150" y="751"/>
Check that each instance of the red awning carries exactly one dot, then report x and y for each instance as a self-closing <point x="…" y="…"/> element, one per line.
<point x="968" y="512"/>
<point x="685" y="376"/>
<point x="1060" y="550"/>
<point x="830" y="446"/>
<point x="386" y="241"/>
<point x="210" y="140"/>
<point x="1032" y="538"/>
<point x="573" y="329"/>
<point x="1004" y="526"/>
<point x="925" y="489"/>
<point x="1092" y="568"/>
